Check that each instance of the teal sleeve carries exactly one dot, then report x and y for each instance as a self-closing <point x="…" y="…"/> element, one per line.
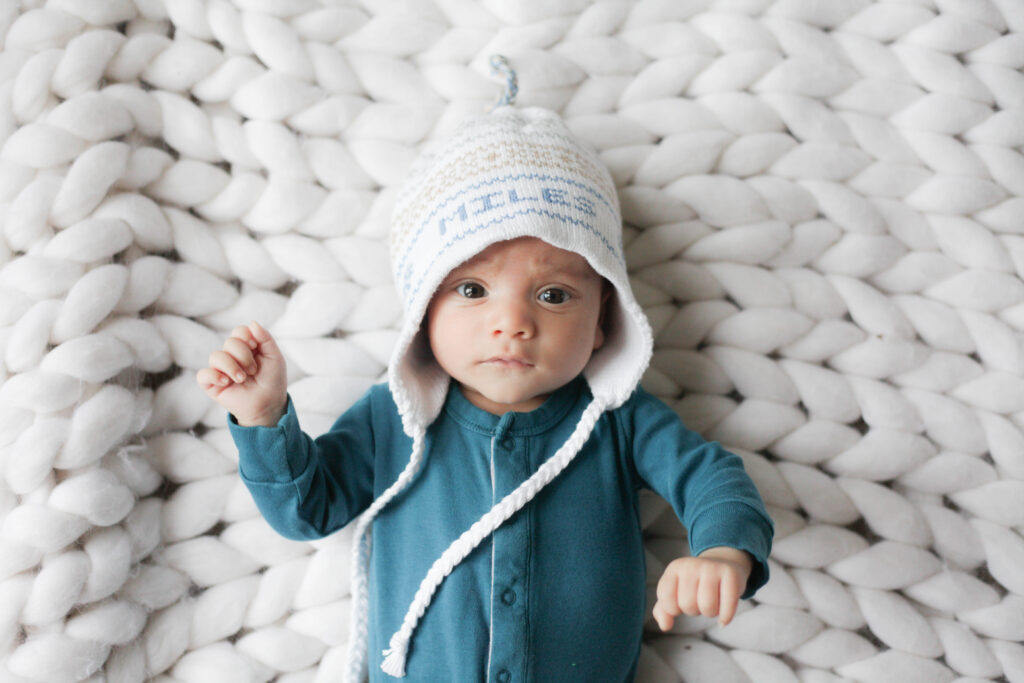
<point x="706" y="485"/>
<point x="308" y="488"/>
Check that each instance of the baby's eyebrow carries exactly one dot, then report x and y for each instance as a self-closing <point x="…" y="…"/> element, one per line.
<point x="581" y="271"/>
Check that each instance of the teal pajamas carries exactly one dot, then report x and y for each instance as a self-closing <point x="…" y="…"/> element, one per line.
<point x="558" y="592"/>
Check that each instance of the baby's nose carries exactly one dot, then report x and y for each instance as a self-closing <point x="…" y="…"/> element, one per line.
<point x="512" y="319"/>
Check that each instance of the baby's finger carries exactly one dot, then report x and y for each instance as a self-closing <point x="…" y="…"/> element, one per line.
<point x="242" y="354"/>
<point x="226" y="363"/>
<point x="686" y="595"/>
<point x="245" y="334"/>
<point x="668" y="586"/>
<point x="208" y="378"/>
<point x="666" y="608"/>
<point x="663" y="618"/>
<point x="730" y="597"/>
<point x="708" y="596"/>
<point x="268" y="347"/>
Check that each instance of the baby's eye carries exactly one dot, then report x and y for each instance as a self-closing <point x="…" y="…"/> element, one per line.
<point x="554" y="295"/>
<point x="471" y="290"/>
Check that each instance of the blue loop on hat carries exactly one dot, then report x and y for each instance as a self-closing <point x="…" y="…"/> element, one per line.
<point x="500" y="66"/>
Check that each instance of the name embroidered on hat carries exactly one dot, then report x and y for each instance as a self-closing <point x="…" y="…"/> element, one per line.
<point x="488" y="202"/>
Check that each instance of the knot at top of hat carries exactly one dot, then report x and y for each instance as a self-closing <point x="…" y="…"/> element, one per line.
<point x="500" y="65"/>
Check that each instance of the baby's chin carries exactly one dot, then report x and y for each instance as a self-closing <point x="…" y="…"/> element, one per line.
<point x="505" y="400"/>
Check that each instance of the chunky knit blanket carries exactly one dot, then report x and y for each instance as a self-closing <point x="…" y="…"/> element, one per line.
<point x="824" y="207"/>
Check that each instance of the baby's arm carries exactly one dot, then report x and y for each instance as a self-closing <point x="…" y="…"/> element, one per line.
<point x="728" y="529"/>
<point x="708" y="585"/>
<point x="304" y="487"/>
<point x="248" y="377"/>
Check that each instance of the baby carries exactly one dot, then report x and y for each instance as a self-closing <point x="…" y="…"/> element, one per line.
<point x="500" y="465"/>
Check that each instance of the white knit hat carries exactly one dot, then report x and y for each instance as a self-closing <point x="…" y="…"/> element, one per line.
<point x="511" y="173"/>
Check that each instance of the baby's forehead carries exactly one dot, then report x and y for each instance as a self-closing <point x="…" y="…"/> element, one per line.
<point x="527" y="252"/>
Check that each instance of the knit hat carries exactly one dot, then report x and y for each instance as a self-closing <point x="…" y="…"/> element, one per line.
<point x="508" y="174"/>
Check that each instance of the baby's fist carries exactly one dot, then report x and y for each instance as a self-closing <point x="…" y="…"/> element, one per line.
<point x="708" y="585"/>
<point x="248" y="376"/>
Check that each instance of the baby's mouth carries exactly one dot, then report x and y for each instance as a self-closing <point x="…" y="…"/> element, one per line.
<point x="508" y="362"/>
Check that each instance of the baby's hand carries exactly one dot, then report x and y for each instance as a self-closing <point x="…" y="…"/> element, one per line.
<point x="710" y="585"/>
<point x="248" y="377"/>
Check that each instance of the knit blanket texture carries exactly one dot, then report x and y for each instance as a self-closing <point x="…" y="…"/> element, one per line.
<point x="824" y="221"/>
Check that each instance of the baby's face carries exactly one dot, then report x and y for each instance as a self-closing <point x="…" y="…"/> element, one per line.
<point x="516" y="322"/>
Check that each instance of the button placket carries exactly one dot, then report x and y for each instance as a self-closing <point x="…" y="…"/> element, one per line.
<point x="511" y="566"/>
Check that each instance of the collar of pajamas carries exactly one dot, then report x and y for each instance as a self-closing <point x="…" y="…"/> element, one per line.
<point x="558" y="592"/>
